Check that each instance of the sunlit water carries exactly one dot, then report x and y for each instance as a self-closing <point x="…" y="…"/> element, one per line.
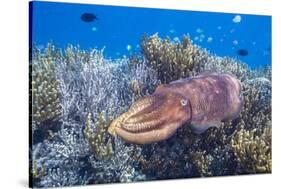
<point x="119" y="30"/>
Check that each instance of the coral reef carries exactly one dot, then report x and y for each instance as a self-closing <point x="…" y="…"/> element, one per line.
<point x="215" y="149"/>
<point x="227" y="65"/>
<point x="253" y="150"/>
<point x="251" y="142"/>
<point x="44" y="86"/>
<point x="172" y="60"/>
<point x="202" y="162"/>
<point x="80" y="151"/>
<point x="99" y="145"/>
<point x="85" y="91"/>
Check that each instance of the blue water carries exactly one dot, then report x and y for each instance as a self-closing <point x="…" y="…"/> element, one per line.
<point x="119" y="29"/>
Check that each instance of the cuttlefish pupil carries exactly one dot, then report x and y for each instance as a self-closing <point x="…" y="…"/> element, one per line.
<point x="183" y="102"/>
<point x="156" y="117"/>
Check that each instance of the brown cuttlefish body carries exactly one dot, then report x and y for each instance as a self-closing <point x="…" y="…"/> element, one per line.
<point x="203" y="101"/>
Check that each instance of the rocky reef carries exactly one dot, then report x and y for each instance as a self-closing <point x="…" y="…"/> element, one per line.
<point x="76" y="94"/>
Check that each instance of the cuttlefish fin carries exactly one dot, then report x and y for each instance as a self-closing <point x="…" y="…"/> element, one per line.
<point x="199" y="128"/>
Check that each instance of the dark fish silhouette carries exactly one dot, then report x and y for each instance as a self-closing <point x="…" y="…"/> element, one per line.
<point x="242" y="52"/>
<point x="88" y="17"/>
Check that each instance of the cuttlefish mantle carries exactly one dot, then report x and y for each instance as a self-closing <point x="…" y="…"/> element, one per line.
<point x="203" y="101"/>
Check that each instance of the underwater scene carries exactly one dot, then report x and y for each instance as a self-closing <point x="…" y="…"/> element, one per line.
<point x="126" y="94"/>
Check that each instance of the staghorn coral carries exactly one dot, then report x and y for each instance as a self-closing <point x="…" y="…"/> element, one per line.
<point x="61" y="157"/>
<point x="99" y="146"/>
<point x="37" y="173"/>
<point x="44" y="86"/>
<point x="227" y="65"/>
<point x="257" y="103"/>
<point x="172" y="60"/>
<point x="121" y="167"/>
<point x="202" y="162"/>
<point x="252" y="141"/>
<point x="263" y="72"/>
<point x="253" y="150"/>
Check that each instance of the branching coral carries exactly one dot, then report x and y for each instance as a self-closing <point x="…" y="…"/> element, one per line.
<point x="99" y="146"/>
<point x="166" y="160"/>
<point x="256" y="112"/>
<point x="37" y="173"/>
<point x="60" y="158"/>
<point x="202" y="162"/>
<point x="89" y="84"/>
<point x="227" y="65"/>
<point x="253" y="150"/>
<point x="45" y="93"/>
<point x="121" y="167"/>
<point x="172" y="60"/>
<point x="251" y="143"/>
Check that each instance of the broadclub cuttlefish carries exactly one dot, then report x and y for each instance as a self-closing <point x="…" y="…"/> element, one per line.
<point x="203" y="101"/>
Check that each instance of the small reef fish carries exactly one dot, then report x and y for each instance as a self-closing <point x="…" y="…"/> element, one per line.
<point x="88" y="17"/>
<point x="201" y="102"/>
<point x="242" y="52"/>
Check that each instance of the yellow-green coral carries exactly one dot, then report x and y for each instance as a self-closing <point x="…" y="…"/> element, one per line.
<point x="136" y="88"/>
<point x="202" y="161"/>
<point x="37" y="172"/>
<point x="172" y="60"/>
<point x="253" y="150"/>
<point x="249" y="135"/>
<point x="102" y="148"/>
<point x="45" y="91"/>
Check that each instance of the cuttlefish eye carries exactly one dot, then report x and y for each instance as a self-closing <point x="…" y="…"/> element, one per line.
<point x="183" y="102"/>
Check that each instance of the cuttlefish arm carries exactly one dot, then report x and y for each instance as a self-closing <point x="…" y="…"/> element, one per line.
<point x="203" y="101"/>
<point x="153" y="118"/>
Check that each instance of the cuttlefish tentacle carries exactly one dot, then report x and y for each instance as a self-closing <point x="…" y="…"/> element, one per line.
<point x="142" y="126"/>
<point x="148" y="136"/>
<point x="135" y="108"/>
<point x="143" y="113"/>
<point x="197" y="100"/>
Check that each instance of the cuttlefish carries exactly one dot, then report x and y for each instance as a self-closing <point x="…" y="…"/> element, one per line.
<point x="200" y="102"/>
